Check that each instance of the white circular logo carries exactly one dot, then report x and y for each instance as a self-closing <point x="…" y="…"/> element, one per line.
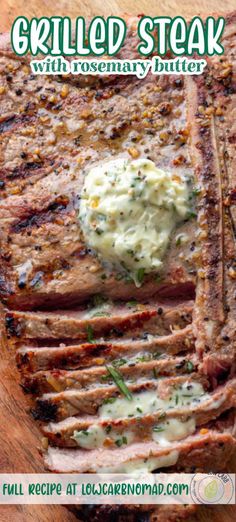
<point x="212" y="489"/>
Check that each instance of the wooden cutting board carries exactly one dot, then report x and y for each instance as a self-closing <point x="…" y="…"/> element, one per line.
<point x="19" y="436"/>
<point x="10" y="9"/>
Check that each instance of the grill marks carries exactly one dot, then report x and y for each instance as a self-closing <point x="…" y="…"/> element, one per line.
<point x="210" y="215"/>
<point x="85" y="127"/>
<point x="59" y="207"/>
<point x="12" y="122"/>
<point x="22" y="171"/>
<point x="63" y="355"/>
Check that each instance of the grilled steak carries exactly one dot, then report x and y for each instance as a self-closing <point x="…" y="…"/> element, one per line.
<point x="146" y="366"/>
<point x="47" y="261"/>
<point x="85" y="355"/>
<point x="62" y="433"/>
<point x="188" y="454"/>
<point x="212" y="99"/>
<point x="120" y="376"/>
<point x="105" y="320"/>
<point x="74" y="402"/>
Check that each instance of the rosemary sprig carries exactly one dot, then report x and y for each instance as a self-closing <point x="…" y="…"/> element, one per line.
<point x="119" y="381"/>
<point x="89" y="334"/>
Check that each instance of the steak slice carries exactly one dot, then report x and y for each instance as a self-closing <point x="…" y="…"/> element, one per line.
<point x="33" y="359"/>
<point x="73" y="402"/>
<point x="209" y="452"/>
<point x="59" y="380"/>
<point x="103" y="321"/>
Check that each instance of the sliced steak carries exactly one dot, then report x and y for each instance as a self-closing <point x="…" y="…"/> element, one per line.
<point x="141" y="425"/>
<point x="209" y="452"/>
<point x="33" y="359"/>
<point x="73" y="402"/>
<point x="105" y="320"/>
<point x="59" y="380"/>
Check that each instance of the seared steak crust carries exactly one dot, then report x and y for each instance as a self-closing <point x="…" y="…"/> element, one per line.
<point x="68" y="318"/>
<point x="44" y="255"/>
<point x="212" y="99"/>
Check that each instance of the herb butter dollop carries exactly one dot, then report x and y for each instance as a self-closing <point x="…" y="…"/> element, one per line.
<point x="128" y="211"/>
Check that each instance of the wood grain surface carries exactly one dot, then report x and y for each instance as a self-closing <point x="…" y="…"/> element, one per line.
<point x="19" y="436"/>
<point x="10" y="9"/>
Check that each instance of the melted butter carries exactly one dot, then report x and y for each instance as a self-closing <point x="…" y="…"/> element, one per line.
<point x="95" y="436"/>
<point x="165" y="433"/>
<point x="146" y="402"/>
<point x="128" y="212"/>
<point x="97" y="311"/>
<point x="173" y="430"/>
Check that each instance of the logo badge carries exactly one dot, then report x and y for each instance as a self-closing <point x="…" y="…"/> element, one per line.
<point x="212" y="489"/>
